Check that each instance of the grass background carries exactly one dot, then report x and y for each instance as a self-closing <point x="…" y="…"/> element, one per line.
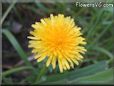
<point x="18" y="64"/>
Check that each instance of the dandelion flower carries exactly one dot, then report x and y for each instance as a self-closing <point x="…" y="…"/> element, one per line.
<point x="58" y="40"/>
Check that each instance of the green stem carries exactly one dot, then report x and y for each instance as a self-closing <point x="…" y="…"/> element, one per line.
<point x="41" y="73"/>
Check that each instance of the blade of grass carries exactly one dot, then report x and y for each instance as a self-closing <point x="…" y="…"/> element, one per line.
<point x="7" y="11"/>
<point x="89" y="25"/>
<point x="19" y="49"/>
<point x="98" y="37"/>
<point x="16" y="45"/>
<point x="102" y="50"/>
<point x="94" y="24"/>
<point x="14" y="70"/>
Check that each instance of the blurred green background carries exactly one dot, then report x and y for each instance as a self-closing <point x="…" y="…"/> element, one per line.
<point x="18" y="64"/>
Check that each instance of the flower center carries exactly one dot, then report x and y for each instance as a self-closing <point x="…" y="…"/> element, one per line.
<point x="59" y="42"/>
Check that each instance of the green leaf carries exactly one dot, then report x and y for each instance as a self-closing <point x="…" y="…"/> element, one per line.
<point x="77" y="73"/>
<point x="100" y="77"/>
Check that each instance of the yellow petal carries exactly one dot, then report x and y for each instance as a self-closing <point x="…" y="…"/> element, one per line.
<point x="66" y="64"/>
<point x="36" y="56"/>
<point x="42" y="20"/>
<point x="54" y="62"/>
<point x="60" y="66"/>
<point x="42" y="57"/>
<point x="75" y="61"/>
<point x="69" y="60"/>
<point x="49" y="61"/>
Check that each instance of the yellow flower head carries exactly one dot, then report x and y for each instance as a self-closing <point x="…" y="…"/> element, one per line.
<point x="58" y="40"/>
